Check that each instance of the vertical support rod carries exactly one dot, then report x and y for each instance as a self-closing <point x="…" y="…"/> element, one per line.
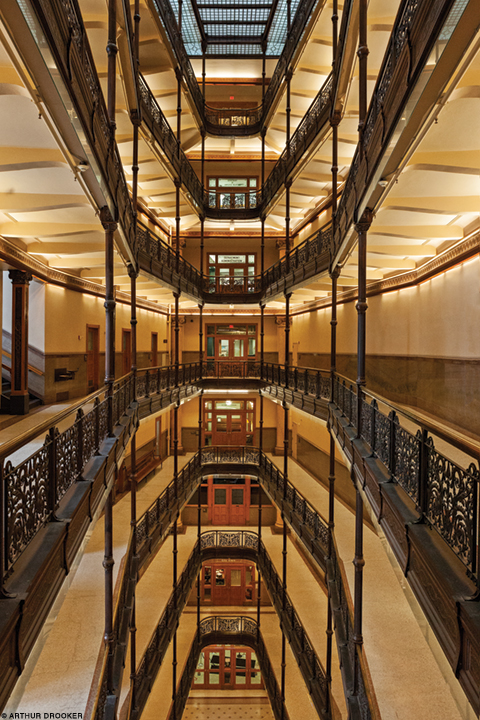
<point x="200" y="340"/>
<point x="133" y="475"/>
<point x="174" y="639"/>
<point x="175" y="409"/>
<point x="110" y="226"/>
<point x="287" y="367"/>
<point x="362" y="228"/>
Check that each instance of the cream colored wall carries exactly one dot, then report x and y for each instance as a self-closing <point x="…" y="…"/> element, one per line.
<point x="433" y="319"/>
<point x="67" y="313"/>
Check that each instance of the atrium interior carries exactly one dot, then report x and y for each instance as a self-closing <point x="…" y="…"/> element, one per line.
<point x="240" y="415"/>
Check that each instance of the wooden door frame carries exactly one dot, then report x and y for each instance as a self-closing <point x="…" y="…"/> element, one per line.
<point x="154" y="359"/>
<point x="127" y="331"/>
<point x="96" y="351"/>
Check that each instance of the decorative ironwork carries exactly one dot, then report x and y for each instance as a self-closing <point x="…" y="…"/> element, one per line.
<point x="27" y="491"/>
<point x="407" y="459"/>
<point x="452" y="496"/>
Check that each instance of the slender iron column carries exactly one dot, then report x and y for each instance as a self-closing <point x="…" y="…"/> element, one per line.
<point x="175" y="409"/>
<point x="362" y="226"/>
<point x="200" y="339"/>
<point x="175" y="599"/>
<point x="133" y="475"/>
<point x="177" y="224"/>
<point x="334" y="273"/>
<point x="202" y="216"/>
<point x="109" y="227"/>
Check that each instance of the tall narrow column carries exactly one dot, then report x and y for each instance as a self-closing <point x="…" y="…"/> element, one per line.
<point x="110" y="226"/>
<point x="202" y="216"/>
<point x="177" y="224"/>
<point x="19" y="398"/>
<point x="133" y="474"/>
<point x="175" y="409"/>
<point x="362" y="227"/>
<point x="334" y="273"/>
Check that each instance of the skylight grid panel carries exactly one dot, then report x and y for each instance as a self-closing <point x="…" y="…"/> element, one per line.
<point x="234" y="49"/>
<point x="234" y="30"/>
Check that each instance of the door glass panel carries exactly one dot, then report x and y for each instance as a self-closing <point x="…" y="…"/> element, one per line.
<point x="238" y="348"/>
<point x="198" y="679"/>
<point x="221" y="423"/>
<point x="227" y="658"/>
<point x="201" y="661"/>
<point x="241" y="665"/>
<point x="255" y="678"/>
<point x="220" y="496"/>
<point x="223" y="346"/>
<point x="208" y="575"/>
<point x="237" y="496"/>
<point x="236" y="423"/>
<point x="207" y="593"/>
<point x="229" y="404"/>
<point x="214" y="661"/>
<point x="210" y="347"/>
<point x="235" y="578"/>
<point x="238" y="272"/>
<point x="220" y="577"/>
<point x="251" y="347"/>
<point x="90" y="341"/>
<point x="248" y="576"/>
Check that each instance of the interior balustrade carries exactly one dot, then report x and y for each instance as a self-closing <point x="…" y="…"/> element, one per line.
<point x="215" y="630"/>
<point x="408" y="460"/>
<point x="239" y="544"/>
<point x="35" y="487"/>
<point x="239" y="122"/>
<point x="419" y="21"/>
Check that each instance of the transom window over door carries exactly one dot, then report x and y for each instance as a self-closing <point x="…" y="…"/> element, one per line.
<point x="232" y="193"/>
<point x="231" y="272"/>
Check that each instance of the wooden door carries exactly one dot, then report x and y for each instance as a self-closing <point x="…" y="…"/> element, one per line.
<point x="126" y="352"/>
<point x="92" y="355"/>
<point x="229" y="427"/>
<point x="230" y="504"/>
<point x="154" y="349"/>
<point x="220" y="510"/>
<point x="237" y="506"/>
<point x="228" y="583"/>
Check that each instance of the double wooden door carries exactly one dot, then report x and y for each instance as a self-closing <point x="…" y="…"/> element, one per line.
<point x="228" y="583"/>
<point x="230" y="505"/>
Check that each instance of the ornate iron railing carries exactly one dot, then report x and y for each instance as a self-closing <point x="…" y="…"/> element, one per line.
<point x="62" y="24"/>
<point x="155" y="522"/>
<point x="156" y="249"/>
<point x="169" y="145"/>
<point x="446" y="494"/>
<point x="113" y="662"/>
<point x="237" y="285"/>
<point x="235" y="121"/>
<point x="209" y="630"/>
<point x="309" y="381"/>
<point x="350" y="656"/>
<point x="311" y="257"/>
<point x="315" y="119"/>
<point x="155" y="380"/>
<point x="301" y="645"/>
<point x="413" y="36"/>
<point x="32" y="489"/>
